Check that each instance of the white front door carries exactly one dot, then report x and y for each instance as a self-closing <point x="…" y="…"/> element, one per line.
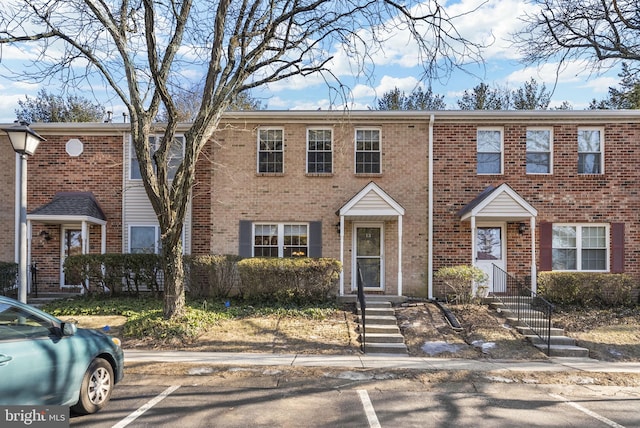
<point x="71" y="246"/>
<point x="490" y="249"/>
<point x="368" y="245"/>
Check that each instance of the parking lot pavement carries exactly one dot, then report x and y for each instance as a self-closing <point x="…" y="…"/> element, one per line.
<point x="357" y="399"/>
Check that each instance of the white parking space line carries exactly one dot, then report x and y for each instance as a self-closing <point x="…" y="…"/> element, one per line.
<point x="133" y="416"/>
<point x="368" y="409"/>
<point x="584" y="410"/>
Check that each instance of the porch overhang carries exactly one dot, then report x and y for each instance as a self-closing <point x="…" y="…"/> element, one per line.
<point x="68" y="208"/>
<point x="501" y="204"/>
<point x="371" y="204"/>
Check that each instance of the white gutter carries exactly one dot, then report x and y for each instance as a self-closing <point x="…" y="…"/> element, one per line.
<point x="430" y="213"/>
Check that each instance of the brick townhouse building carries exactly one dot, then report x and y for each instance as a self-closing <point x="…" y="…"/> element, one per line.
<point x="400" y="194"/>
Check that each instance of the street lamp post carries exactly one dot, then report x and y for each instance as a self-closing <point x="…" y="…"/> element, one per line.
<point x="25" y="142"/>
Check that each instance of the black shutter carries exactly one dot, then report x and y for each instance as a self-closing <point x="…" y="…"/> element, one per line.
<point x="246" y="231"/>
<point x="315" y="239"/>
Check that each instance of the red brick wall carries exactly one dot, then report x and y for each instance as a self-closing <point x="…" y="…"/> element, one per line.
<point x="98" y="170"/>
<point x="563" y="196"/>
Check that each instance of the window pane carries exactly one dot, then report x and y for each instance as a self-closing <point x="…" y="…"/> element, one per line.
<point x="588" y="140"/>
<point x="319" y="156"/>
<point x="271" y="153"/>
<point x="489" y="243"/>
<point x="489" y="163"/>
<point x="295" y="240"/>
<point x="564" y="259"/>
<point x="538" y="140"/>
<point x="594" y="237"/>
<point x="265" y="240"/>
<point x="142" y="239"/>
<point x="589" y="163"/>
<point x="489" y="141"/>
<point x="594" y="259"/>
<point x="564" y="237"/>
<point x="538" y="163"/>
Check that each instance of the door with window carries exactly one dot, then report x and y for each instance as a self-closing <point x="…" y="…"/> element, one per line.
<point x="368" y="245"/>
<point x="490" y="250"/>
<point x="71" y="246"/>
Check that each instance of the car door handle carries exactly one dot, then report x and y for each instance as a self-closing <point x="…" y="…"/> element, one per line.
<point x="4" y="359"/>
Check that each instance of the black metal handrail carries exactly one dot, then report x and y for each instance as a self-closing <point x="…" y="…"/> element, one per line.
<point x="533" y="311"/>
<point x="363" y="305"/>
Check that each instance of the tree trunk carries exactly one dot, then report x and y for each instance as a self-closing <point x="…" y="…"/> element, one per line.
<point x="174" y="298"/>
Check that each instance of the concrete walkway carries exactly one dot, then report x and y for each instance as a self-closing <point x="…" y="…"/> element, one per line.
<point x="381" y="361"/>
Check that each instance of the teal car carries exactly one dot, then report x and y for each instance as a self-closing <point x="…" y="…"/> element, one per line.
<point x="44" y="361"/>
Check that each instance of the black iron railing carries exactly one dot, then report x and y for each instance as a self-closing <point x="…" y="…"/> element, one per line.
<point x="363" y="305"/>
<point x="533" y="311"/>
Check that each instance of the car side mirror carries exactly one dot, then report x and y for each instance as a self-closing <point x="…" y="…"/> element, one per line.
<point x="68" y="329"/>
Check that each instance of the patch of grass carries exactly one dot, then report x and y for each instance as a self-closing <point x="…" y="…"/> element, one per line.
<point x="145" y="315"/>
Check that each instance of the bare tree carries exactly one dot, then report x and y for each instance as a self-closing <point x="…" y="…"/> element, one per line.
<point x="140" y="48"/>
<point x="597" y="31"/>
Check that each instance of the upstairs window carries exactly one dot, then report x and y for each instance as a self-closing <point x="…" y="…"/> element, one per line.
<point x="368" y="152"/>
<point x="270" y="151"/>
<point x="144" y="240"/>
<point x="489" y="151"/>
<point x="590" y="151"/>
<point x="319" y="151"/>
<point x="539" y="151"/>
<point x="580" y="248"/>
<point x="175" y="156"/>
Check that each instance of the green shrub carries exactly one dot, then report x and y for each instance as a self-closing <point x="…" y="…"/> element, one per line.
<point x="288" y="281"/>
<point x="212" y="276"/>
<point x="588" y="289"/>
<point x="466" y="282"/>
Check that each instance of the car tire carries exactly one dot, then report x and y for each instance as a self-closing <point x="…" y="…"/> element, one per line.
<point x="96" y="388"/>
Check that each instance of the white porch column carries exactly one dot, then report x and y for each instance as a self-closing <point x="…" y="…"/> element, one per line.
<point x="342" y="255"/>
<point x="534" y="270"/>
<point x="103" y="239"/>
<point x="473" y="241"/>
<point x="85" y="236"/>
<point x="399" y="255"/>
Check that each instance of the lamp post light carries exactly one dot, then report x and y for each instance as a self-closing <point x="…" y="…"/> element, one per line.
<point x="25" y="142"/>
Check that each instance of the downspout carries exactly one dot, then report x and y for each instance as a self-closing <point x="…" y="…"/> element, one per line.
<point x="430" y="213"/>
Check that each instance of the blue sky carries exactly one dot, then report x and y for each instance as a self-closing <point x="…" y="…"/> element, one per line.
<point x="397" y="66"/>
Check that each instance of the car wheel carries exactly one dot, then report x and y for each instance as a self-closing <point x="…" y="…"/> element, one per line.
<point x="96" y="387"/>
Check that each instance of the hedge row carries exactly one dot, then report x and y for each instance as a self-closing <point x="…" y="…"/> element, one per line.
<point x="588" y="289"/>
<point x="281" y="280"/>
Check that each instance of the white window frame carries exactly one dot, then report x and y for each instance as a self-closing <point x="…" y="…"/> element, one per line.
<point x="330" y="151"/>
<point x="601" y="152"/>
<point x="157" y="244"/>
<point x="356" y="151"/>
<point x="549" y="152"/>
<point x="258" y="151"/>
<point x="280" y="235"/>
<point x="153" y="147"/>
<point x="490" y="129"/>
<point x="579" y="248"/>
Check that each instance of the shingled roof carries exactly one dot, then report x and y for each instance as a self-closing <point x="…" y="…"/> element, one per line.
<point x="71" y="204"/>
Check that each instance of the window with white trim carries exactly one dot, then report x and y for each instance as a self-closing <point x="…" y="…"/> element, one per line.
<point x="175" y="156"/>
<point x="590" y="151"/>
<point x="270" y="150"/>
<point x="144" y="240"/>
<point x="489" y="151"/>
<point x="580" y="247"/>
<point x="539" y="150"/>
<point x="280" y="240"/>
<point x="368" y="151"/>
<point x="319" y="151"/>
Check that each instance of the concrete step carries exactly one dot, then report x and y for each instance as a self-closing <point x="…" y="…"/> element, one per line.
<point x="564" y="351"/>
<point x="386" y="348"/>
<point x="379" y="320"/>
<point x="381" y="329"/>
<point x="376" y="304"/>
<point x="383" y="338"/>
<point x="555" y="340"/>
<point x="373" y="312"/>
<point x="527" y="331"/>
<point x="523" y="322"/>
